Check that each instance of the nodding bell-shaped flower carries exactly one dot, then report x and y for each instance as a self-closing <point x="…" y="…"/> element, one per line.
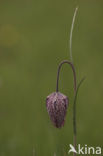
<point x="57" y="104"/>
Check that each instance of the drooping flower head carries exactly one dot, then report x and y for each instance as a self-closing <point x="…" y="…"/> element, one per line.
<point x="57" y="104"/>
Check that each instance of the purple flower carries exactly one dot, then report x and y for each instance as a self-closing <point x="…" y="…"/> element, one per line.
<point x="57" y="104"/>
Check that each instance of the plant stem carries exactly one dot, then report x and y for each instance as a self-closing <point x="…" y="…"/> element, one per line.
<point x="71" y="58"/>
<point x="75" y="89"/>
<point x="74" y="74"/>
<point x="74" y="112"/>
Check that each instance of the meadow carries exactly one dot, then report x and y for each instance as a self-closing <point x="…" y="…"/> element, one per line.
<point x="34" y="38"/>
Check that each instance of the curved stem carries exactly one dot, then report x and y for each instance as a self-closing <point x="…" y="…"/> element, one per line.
<point x="74" y="75"/>
<point x="75" y="89"/>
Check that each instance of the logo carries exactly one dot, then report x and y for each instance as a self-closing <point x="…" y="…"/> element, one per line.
<point x="85" y="150"/>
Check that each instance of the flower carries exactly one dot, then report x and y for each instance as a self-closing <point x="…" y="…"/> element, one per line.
<point x="57" y="104"/>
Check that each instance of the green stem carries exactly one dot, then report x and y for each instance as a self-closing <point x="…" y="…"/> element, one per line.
<point x="76" y="89"/>
<point x="74" y="114"/>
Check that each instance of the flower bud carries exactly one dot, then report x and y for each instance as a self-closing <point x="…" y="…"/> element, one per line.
<point x="57" y="104"/>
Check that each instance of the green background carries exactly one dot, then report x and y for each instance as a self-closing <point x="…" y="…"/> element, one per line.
<point x="34" y="38"/>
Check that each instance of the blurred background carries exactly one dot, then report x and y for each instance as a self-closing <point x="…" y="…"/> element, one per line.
<point x="34" y="38"/>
